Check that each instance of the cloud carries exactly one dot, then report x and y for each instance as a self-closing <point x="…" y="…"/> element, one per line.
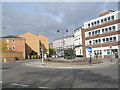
<point x="47" y="18"/>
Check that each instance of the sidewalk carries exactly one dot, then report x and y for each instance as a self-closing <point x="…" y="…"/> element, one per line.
<point x="53" y="65"/>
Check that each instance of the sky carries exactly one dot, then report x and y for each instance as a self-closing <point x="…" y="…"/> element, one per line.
<point x="47" y="17"/>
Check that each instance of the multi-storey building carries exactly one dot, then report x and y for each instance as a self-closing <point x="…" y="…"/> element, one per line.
<point x="58" y="46"/>
<point x="35" y="44"/>
<point x="101" y="33"/>
<point x="63" y="43"/>
<point x="69" y="41"/>
<point x="15" y="44"/>
<point x="78" y="42"/>
<point x="51" y="45"/>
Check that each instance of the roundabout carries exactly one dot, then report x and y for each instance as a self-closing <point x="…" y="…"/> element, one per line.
<point x="69" y="64"/>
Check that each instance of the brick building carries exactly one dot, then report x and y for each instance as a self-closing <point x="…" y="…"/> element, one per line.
<point x="15" y="44"/>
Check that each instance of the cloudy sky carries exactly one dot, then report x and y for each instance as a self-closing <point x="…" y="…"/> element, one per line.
<point x="48" y="17"/>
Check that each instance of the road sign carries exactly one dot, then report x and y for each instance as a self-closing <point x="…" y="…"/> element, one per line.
<point x="90" y="50"/>
<point x="110" y="47"/>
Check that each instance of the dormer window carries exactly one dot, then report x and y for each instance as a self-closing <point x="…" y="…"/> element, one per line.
<point x="13" y="41"/>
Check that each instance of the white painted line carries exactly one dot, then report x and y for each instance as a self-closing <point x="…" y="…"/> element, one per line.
<point x="42" y="87"/>
<point x="1" y="82"/>
<point x="19" y="85"/>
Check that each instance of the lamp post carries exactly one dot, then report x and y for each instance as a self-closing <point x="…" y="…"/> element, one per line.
<point x="63" y="37"/>
<point x="42" y="55"/>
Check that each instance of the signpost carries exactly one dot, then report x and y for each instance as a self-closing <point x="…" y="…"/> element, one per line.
<point x="90" y="51"/>
<point x="110" y="48"/>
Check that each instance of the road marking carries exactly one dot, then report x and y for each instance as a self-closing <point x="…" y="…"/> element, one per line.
<point x="19" y="84"/>
<point x="42" y="87"/>
<point x="1" y="82"/>
<point x="46" y="87"/>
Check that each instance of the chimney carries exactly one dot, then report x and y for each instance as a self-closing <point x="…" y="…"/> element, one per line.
<point x="106" y="12"/>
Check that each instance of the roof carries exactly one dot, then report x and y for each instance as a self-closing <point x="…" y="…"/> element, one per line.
<point x="11" y="37"/>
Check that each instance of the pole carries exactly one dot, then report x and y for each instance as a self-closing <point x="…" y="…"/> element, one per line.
<point x="42" y="56"/>
<point x="90" y="60"/>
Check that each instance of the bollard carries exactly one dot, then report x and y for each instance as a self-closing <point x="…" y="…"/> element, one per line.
<point x="5" y="60"/>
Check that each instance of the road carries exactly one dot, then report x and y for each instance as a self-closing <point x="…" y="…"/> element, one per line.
<point x="17" y="75"/>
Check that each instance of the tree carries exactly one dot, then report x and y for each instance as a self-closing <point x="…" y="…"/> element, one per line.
<point x="3" y="46"/>
<point x="52" y="51"/>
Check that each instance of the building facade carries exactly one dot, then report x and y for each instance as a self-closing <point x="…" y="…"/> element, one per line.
<point x="101" y="34"/>
<point x="78" y="42"/>
<point x="63" y="43"/>
<point x="51" y="45"/>
<point x="35" y="44"/>
<point x="15" y="44"/>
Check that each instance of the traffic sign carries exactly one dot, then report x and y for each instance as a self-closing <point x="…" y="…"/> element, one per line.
<point x="90" y="50"/>
<point x="110" y="47"/>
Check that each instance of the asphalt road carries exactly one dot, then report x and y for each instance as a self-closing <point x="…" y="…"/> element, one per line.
<point x="17" y="75"/>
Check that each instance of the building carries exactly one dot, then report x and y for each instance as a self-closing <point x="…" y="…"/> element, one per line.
<point x="58" y="46"/>
<point x="15" y="47"/>
<point x="63" y="43"/>
<point x="69" y="41"/>
<point x="35" y="43"/>
<point x="101" y="33"/>
<point x="51" y="45"/>
<point x="78" y="42"/>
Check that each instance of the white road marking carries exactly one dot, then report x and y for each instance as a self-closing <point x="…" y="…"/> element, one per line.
<point x="2" y="70"/>
<point x="19" y="84"/>
<point x="42" y="87"/>
<point x="46" y="87"/>
<point x="1" y="82"/>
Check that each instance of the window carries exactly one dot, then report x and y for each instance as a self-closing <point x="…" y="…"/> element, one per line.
<point x="113" y="27"/>
<point x="93" y="33"/>
<point x="99" y="40"/>
<point x="93" y="42"/>
<point x="112" y="17"/>
<point x="95" y="22"/>
<point x="88" y="25"/>
<point x="108" y="52"/>
<point x="101" y="20"/>
<point x="108" y="18"/>
<point x="98" y="31"/>
<point x="105" y="19"/>
<point x="13" y="47"/>
<point x="96" y="41"/>
<point x="90" y="42"/>
<point x="114" y="38"/>
<point x="103" y="39"/>
<point x="110" y="38"/>
<point x="103" y="31"/>
<point x="89" y="33"/>
<point x="110" y="28"/>
<point x="107" y="39"/>
<point x="13" y="41"/>
<point x="106" y="29"/>
<point x="98" y="22"/>
<point x="92" y="24"/>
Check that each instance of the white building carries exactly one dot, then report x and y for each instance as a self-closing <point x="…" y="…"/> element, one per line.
<point x="78" y="42"/>
<point x="63" y="43"/>
<point x="103" y="32"/>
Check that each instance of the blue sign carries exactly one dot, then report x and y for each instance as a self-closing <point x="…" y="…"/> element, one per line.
<point x="90" y="50"/>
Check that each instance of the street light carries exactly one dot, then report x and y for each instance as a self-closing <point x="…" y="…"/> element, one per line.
<point x="42" y="55"/>
<point x="63" y="36"/>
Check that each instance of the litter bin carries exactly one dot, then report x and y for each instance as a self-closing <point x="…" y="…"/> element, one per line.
<point x="4" y="60"/>
<point x="16" y="59"/>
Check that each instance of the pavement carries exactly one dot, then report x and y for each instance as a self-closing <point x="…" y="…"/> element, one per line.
<point x="38" y="63"/>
